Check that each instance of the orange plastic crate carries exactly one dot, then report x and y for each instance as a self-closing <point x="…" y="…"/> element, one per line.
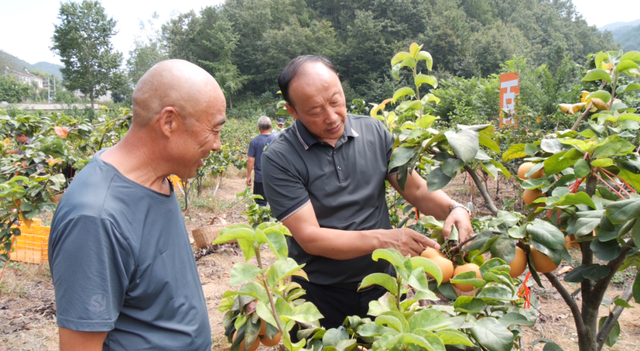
<point x="32" y="246"/>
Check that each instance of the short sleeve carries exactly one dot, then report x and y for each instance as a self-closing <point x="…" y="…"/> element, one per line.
<point x="283" y="185"/>
<point x="252" y="148"/>
<point x="91" y="265"/>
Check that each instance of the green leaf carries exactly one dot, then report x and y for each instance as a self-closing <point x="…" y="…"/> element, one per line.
<point x="451" y="166"/>
<point x="437" y="180"/>
<point x="492" y="335"/>
<point x="425" y="79"/>
<point x="597" y="74"/>
<point x="395" y="71"/>
<point x="585" y="226"/>
<point x="605" y="251"/>
<point x="622" y="303"/>
<point x="402" y="92"/>
<point x="581" y="169"/>
<point x="600" y="58"/>
<point x="514" y="151"/>
<point x="428" y="266"/>
<point x="632" y="87"/>
<point x="428" y="319"/>
<point x="464" y="143"/>
<point x="497" y="291"/>
<point x="305" y="313"/>
<point x="399" y="57"/>
<point x="468" y="304"/>
<point x="603" y="162"/>
<point x="502" y="168"/>
<point x="626" y="65"/>
<point x="561" y="161"/>
<point x="486" y="141"/>
<point x="591" y="272"/>
<point x="423" y="55"/>
<point x="600" y="94"/>
<point x="382" y="279"/>
<point x="613" y="336"/>
<point x="546" y="234"/>
<point x="613" y="148"/>
<point x="579" y="198"/>
<point x="401" y="156"/>
<point x="623" y="210"/>
<point x="394" y="257"/>
<point x="241" y="272"/>
<point x="426" y="121"/>
<point x="235" y="232"/>
<point x="282" y="269"/>
<point x="510" y="319"/>
<point x="454" y="337"/>
<point x="552" y="146"/>
<point x="468" y="278"/>
<point x="631" y="55"/>
<point x="629" y="117"/>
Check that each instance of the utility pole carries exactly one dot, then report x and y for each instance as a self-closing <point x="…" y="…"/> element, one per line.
<point x="49" y="89"/>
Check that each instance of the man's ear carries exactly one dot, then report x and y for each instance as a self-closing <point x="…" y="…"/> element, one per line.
<point x="168" y="121"/>
<point x="292" y="111"/>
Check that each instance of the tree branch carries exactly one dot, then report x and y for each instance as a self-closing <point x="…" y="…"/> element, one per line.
<point x="575" y="310"/>
<point x="611" y="320"/>
<point x="602" y="284"/>
<point x="483" y="190"/>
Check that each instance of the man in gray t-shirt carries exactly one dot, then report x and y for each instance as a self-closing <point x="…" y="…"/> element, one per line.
<point x="120" y="258"/>
<point x="256" y="147"/>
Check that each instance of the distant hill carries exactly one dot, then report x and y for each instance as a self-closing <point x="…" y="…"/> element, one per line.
<point x="617" y="25"/>
<point x="18" y="64"/>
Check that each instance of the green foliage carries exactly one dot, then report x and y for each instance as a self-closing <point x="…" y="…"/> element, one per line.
<point x="266" y="292"/>
<point x="13" y="91"/>
<point x="82" y="40"/>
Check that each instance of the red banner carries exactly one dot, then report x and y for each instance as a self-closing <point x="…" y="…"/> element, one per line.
<point x="509" y="90"/>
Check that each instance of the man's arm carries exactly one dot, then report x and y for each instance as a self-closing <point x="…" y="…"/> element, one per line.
<point x="436" y="204"/>
<point x="250" y="164"/>
<point x="343" y="244"/>
<point x="71" y="340"/>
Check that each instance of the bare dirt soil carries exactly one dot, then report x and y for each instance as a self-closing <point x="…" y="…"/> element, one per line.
<point x="27" y="302"/>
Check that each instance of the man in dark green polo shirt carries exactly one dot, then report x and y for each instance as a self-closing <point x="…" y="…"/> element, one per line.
<point x="325" y="180"/>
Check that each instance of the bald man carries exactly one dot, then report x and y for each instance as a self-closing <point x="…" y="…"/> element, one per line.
<point x="120" y="258"/>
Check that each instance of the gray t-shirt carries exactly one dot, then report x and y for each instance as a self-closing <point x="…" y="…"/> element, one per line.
<point x="121" y="262"/>
<point x="256" y="148"/>
<point x="345" y="184"/>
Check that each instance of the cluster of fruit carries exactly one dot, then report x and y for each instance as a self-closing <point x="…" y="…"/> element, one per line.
<point x="518" y="265"/>
<point x="262" y="338"/>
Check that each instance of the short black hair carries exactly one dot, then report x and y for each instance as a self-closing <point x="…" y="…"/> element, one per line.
<point x="18" y="134"/>
<point x="292" y="69"/>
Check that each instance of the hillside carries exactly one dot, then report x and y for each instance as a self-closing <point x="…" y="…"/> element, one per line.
<point x="619" y="25"/>
<point x="18" y="64"/>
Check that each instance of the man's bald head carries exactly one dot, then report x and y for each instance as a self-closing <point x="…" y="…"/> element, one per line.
<point x="176" y="83"/>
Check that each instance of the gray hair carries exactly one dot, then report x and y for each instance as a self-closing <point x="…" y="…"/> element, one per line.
<point x="264" y="123"/>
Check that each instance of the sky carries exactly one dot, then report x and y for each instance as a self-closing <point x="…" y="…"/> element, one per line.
<point x="27" y="25"/>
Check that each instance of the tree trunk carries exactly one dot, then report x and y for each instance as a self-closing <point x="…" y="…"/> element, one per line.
<point x="483" y="190"/>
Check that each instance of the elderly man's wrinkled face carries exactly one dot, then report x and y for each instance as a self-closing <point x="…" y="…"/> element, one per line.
<point x="318" y="101"/>
<point x="202" y="135"/>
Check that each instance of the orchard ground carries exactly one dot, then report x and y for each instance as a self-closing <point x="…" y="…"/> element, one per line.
<point x="27" y="303"/>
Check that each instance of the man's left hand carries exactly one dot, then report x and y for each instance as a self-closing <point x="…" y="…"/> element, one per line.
<point x="461" y="219"/>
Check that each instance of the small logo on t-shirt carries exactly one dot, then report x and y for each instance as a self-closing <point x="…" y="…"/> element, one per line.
<point x="98" y="303"/>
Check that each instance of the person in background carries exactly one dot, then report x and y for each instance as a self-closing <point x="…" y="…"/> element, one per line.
<point x="120" y="258"/>
<point x="325" y="181"/>
<point x="280" y="124"/>
<point x="22" y="140"/>
<point x="256" y="148"/>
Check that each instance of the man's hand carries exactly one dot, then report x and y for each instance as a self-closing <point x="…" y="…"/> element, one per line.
<point x="249" y="181"/>
<point x="460" y="218"/>
<point x="409" y="242"/>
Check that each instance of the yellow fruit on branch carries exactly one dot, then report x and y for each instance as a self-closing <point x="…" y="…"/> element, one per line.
<point x="519" y="263"/>
<point x="253" y="347"/>
<point x="525" y="167"/>
<point x="469" y="267"/>
<point x="270" y="342"/>
<point x="541" y="262"/>
<point x="530" y="195"/>
<point x="430" y="252"/>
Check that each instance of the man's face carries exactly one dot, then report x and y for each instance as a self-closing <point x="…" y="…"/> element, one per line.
<point x="201" y="135"/>
<point x="318" y="101"/>
<point x="22" y="138"/>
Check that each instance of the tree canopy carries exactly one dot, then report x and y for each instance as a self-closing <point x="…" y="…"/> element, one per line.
<point x="246" y="43"/>
<point x="82" y="40"/>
